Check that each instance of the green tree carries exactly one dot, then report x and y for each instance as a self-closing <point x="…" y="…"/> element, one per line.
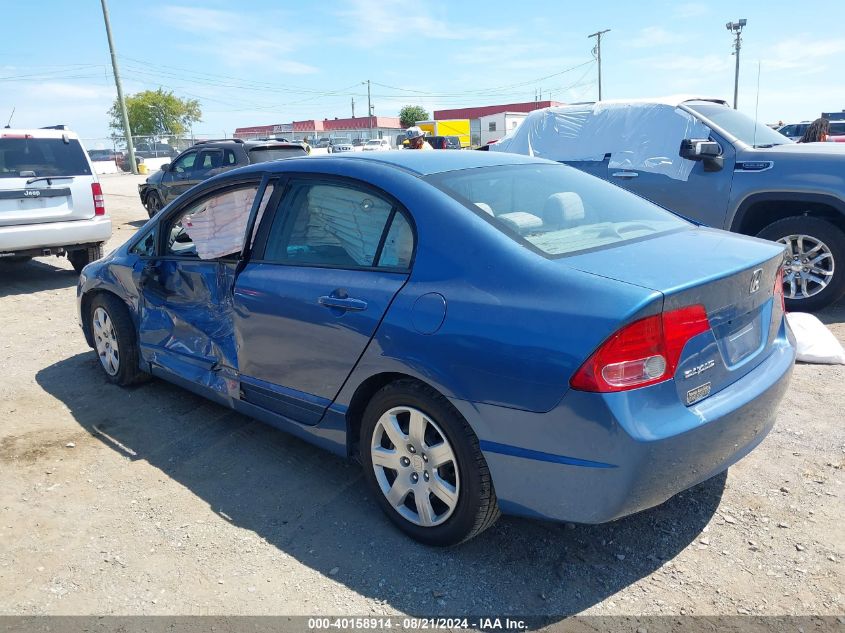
<point x="155" y="112"/>
<point x="410" y="114"/>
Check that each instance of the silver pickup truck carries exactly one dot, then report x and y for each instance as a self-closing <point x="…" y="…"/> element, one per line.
<point x="715" y="166"/>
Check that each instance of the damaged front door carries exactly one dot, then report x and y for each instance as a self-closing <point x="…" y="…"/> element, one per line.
<point x="186" y="327"/>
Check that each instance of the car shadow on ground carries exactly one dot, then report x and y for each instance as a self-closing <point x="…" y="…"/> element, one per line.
<point x="137" y="223"/>
<point x="316" y="508"/>
<point x="23" y="278"/>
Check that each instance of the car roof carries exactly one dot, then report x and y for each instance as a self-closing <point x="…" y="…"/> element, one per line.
<point x="38" y="133"/>
<point x="422" y="163"/>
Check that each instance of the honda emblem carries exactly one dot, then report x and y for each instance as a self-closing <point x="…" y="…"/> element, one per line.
<point x="755" y="281"/>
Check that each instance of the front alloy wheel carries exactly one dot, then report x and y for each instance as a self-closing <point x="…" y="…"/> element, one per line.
<point x="105" y="341"/>
<point x="814" y="266"/>
<point x="809" y="266"/>
<point x="415" y="466"/>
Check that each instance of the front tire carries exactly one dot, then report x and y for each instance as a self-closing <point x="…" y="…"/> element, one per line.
<point x="814" y="274"/>
<point x="423" y="462"/>
<point x="154" y="203"/>
<point x="115" y="341"/>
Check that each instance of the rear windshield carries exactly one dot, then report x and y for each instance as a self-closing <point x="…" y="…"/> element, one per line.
<point x="556" y="209"/>
<point x="263" y="154"/>
<point x="43" y="157"/>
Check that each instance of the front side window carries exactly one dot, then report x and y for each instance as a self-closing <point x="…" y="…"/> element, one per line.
<point x="557" y="210"/>
<point x="146" y="246"/>
<point x="339" y="226"/>
<point x="185" y="163"/>
<point x="213" y="227"/>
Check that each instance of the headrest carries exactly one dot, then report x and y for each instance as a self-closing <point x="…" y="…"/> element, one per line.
<point x="484" y="207"/>
<point x="563" y="209"/>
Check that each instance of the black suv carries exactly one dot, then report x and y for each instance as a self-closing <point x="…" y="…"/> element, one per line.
<point x="206" y="159"/>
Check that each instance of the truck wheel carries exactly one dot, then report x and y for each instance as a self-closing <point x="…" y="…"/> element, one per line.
<point x="79" y="259"/>
<point x="814" y="273"/>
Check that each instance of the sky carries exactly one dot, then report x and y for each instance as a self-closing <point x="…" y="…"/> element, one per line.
<point x="266" y="62"/>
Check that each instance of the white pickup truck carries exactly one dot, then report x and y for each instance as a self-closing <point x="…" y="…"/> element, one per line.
<point x="51" y="202"/>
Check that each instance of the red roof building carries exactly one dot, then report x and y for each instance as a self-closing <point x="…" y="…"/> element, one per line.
<point x="326" y="127"/>
<point x="478" y="112"/>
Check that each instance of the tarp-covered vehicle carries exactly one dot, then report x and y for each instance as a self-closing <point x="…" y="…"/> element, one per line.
<point x="712" y="164"/>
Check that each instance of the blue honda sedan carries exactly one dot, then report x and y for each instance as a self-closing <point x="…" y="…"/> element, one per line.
<point x="486" y="332"/>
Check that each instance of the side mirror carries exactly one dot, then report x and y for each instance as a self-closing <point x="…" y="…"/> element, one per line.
<point x="699" y="149"/>
<point x="705" y="150"/>
<point x="165" y="167"/>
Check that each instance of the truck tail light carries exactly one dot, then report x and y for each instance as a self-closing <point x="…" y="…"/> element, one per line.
<point x="641" y="353"/>
<point x="99" y="201"/>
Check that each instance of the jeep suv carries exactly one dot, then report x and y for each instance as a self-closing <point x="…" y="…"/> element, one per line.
<point x="206" y="159"/>
<point x="51" y="202"/>
<point x="712" y="164"/>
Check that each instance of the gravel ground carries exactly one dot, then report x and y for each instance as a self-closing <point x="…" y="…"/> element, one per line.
<point x="154" y="501"/>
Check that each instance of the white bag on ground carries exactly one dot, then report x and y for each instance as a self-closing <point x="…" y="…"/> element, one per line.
<point x="816" y="344"/>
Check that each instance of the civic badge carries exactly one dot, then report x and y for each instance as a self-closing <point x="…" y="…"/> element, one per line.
<point x="755" y="281"/>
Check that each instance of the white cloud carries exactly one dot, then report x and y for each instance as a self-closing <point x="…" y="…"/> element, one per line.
<point x="653" y="37"/>
<point x="802" y="52"/>
<point x="237" y="39"/>
<point x="690" y="64"/>
<point x="690" y="10"/>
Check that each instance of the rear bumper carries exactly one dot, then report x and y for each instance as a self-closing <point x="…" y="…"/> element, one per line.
<point x="26" y="237"/>
<point x="598" y="457"/>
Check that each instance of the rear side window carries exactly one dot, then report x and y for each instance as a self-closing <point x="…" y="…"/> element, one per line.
<point x="556" y="209"/>
<point x="43" y="157"/>
<point x="340" y="226"/>
<point x="837" y="129"/>
<point x="264" y="154"/>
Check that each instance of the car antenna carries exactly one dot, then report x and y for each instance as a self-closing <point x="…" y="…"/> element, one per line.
<point x="757" y="104"/>
<point x="9" y="122"/>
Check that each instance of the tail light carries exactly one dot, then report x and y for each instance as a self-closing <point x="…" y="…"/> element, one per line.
<point x="642" y="353"/>
<point x="99" y="201"/>
<point x="778" y="291"/>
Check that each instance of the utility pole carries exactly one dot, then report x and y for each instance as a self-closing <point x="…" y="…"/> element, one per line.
<point x="353" y="107"/>
<point x="369" y="108"/>
<point x="736" y="27"/>
<point x="123" y="114"/>
<point x="598" y="35"/>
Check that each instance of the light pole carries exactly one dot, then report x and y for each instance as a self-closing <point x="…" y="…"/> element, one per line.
<point x="736" y="27"/>
<point x="598" y="35"/>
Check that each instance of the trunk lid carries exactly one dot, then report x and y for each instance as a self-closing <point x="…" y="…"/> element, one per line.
<point x="732" y="276"/>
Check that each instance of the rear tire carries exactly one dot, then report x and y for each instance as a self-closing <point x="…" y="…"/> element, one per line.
<point x="79" y="259"/>
<point x="459" y="501"/>
<point x="815" y="270"/>
<point x="115" y="339"/>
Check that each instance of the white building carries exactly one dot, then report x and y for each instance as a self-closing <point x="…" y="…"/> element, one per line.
<point x="495" y="126"/>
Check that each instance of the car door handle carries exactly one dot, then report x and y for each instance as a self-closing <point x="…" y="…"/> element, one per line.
<point x="624" y="174"/>
<point x="343" y="303"/>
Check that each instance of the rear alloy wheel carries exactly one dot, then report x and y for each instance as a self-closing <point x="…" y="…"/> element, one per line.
<point x="114" y="339"/>
<point x="154" y="203"/>
<point x="811" y="278"/>
<point x="423" y="461"/>
<point x="79" y="259"/>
